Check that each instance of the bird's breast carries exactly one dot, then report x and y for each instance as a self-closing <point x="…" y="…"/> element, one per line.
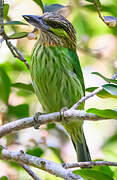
<point x="55" y="83"/>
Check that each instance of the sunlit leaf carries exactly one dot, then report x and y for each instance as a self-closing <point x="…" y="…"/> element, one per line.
<point x="107" y="92"/>
<point x="5" y="85"/>
<point x="39" y="2"/>
<point x="35" y="151"/>
<point x="111" y="88"/>
<point x="19" y="111"/>
<point x="106" y="113"/>
<point x="105" y="169"/>
<point x="5" y="10"/>
<point x="53" y="8"/>
<point x="106" y="79"/>
<point x="26" y="87"/>
<point x="18" y="35"/>
<point x="89" y="174"/>
<point x="15" y="23"/>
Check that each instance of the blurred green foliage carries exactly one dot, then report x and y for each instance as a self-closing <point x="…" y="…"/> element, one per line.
<point x="17" y="99"/>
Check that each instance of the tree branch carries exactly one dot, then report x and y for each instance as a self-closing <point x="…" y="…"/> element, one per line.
<point x="47" y="118"/>
<point x="30" y="172"/>
<point x="46" y="165"/>
<point x="84" y="98"/>
<point x="89" y="164"/>
<point x="99" y="14"/>
<point x="59" y="170"/>
<point x="15" y="52"/>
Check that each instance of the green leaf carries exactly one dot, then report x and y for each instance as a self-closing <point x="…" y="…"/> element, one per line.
<point x="35" y="151"/>
<point x="50" y="126"/>
<point x="106" y="79"/>
<point x="106" y="113"/>
<point x="89" y="174"/>
<point x="91" y="1"/>
<point x="39" y="2"/>
<point x="26" y="87"/>
<point x="111" y="140"/>
<point x="57" y="153"/>
<point x="3" y="178"/>
<point x="107" y="92"/>
<point x="15" y="23"/>
<point x="5" y="11"/>
<point x="18" y="35"/>
<point x="105" y="169"/>
<point x="111" y="88"/>
<point x="5" y="84"/>
<point x="15" y="165"/>
<point x="19" y="111"/>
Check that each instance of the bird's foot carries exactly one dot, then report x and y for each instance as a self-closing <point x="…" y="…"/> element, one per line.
<point x="36" y="117"/>
<point x="62" y="114"/>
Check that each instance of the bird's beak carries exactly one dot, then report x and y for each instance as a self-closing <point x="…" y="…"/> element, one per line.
<point x="36" y="21"/>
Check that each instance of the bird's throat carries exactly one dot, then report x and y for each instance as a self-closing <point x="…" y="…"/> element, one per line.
<point x="49" y="39"/>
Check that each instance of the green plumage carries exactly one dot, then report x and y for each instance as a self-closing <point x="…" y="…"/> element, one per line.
<point x="56" y="73"/>
<point x="58" y="82"/>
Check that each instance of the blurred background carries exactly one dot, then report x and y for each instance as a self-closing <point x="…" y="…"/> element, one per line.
<point x="97" y="51"/>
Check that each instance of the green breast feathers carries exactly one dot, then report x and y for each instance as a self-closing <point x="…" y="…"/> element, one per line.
<point x="56" y="76"/>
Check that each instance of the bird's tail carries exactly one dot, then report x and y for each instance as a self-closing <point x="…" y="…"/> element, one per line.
<point x="76" y="133"/>
<point x="81" y="147"/>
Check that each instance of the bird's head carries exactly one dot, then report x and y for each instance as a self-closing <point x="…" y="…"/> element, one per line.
<point x="54" y="26"/>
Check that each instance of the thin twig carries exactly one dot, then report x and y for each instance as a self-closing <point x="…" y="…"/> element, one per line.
<point x="30" y="172"/>
<point x="84" y="98"/>
<point x="89" y="164"/>
<point x="15" y="52"/>
<point x="46" y="165"/>
<point x="98" y="10"/>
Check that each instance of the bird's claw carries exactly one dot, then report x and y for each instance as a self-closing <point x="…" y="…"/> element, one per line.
<point x="36" y="122"/>
<point x="62" y="114"/>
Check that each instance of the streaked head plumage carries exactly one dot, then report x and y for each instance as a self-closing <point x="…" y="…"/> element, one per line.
<point x="52" y="23"/>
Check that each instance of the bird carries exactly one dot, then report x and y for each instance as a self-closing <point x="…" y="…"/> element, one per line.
<point x="56" y="73"/>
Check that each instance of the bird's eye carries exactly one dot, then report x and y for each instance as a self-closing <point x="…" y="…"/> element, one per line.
<point x="53" y="24"/>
